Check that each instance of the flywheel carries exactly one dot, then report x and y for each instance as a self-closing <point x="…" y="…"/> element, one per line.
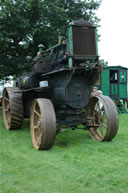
<point x="102" y="118"/>
<point x="42" y="123"/>
<point x="12" y="107"/>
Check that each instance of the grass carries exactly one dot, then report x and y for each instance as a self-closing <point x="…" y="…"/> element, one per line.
<point x="75" y="164"/>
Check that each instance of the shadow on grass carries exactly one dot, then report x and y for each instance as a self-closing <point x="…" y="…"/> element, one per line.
<point x="73" y="138"/>
<point x="66" y="139"/>
<point x="26" y="125"/>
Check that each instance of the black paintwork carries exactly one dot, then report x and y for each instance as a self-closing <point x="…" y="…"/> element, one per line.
<point x="69" y="89"/>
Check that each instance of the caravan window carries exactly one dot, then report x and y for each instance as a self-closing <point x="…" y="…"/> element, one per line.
<point x="113" y="76"/>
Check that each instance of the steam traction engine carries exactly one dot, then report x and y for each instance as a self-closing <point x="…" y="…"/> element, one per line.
<point x="58" y="91"/>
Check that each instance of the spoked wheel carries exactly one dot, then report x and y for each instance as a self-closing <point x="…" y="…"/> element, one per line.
<point x="102" y="118"/>
<point x="43" y="124"/>
<point x="12" y="105"/>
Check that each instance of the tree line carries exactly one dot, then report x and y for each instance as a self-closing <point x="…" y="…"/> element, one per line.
<point x="24" y="24"/>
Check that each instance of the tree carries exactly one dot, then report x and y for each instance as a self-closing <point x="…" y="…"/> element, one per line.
<point x="103" y="63"/>
<point x="26" y="23"/>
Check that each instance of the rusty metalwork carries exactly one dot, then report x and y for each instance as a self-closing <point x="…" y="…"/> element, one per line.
<point x="57" y="91"/>
<point x="12" y="104"/>
<point x="43" y="124"/>
<point x="102" y="118"/>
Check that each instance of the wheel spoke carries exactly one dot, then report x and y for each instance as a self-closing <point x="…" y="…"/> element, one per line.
<point x="104" y="126"/>
<point x="35" y="127"/>
<point x="12" y="119"/>
<point x="43" y="123"/>
<point x="98" y="106"/>
<point x="37" y="113"/>
<point x="39" y="139"/>
<point x="104" y="113"/>
<point x="105" y="122"/>
<point x="94" y="110"/>
<point x="6" y="98"/>
<point x="101" y="131"/>
<point x="8" y="120"/>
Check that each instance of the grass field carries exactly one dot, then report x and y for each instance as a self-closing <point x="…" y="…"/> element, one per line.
<point x="75" y="164"/>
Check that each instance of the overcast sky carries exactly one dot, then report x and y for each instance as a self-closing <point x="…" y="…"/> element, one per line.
<point x="113" y="46"/>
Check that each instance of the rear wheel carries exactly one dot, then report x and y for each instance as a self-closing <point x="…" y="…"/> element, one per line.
<point x="12" y="107"/>
<point x="102" y="118"/>
<point x="43" y="124"/>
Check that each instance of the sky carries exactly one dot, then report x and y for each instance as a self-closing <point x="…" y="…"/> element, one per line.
<point x="113" y="46"/>
<point x="7" y="84"/>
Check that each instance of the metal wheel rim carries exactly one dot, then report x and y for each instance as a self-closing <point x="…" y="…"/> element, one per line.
<point x="43" y="124"/>
<point x="6" y="109"/>
<point x="12" y="103"/>
<point x="36" y="132"/>
<point x="107" y="124"/>
<point x="99" y="133"/>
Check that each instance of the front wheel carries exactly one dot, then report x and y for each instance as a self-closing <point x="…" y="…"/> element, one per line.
<point x="102" y="118"/>
<point x="42" y="123"/>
